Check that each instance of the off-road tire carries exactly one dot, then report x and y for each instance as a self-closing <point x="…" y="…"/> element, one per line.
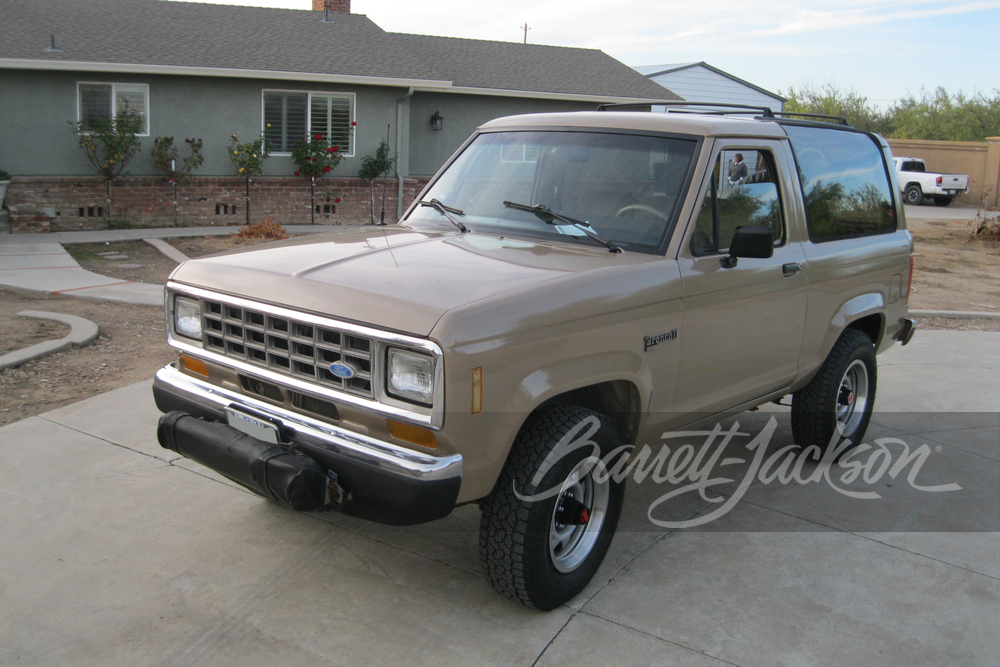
<point x="913" y="195"/>
<point x="515" y="534"/>
<point x="819" y="408"/>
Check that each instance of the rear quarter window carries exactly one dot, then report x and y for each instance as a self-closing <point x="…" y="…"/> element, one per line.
<point x="845" y="184"/>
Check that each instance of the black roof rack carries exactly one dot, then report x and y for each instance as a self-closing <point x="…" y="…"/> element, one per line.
<point x="719" y="108"/>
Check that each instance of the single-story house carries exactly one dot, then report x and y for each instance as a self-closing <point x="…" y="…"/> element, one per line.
<point x="700" y="82"/>
<point x="210" y="71"/>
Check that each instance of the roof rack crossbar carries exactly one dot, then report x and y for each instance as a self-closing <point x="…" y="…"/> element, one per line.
<point x="726" y="109"/>
<point x="823" y="116"/>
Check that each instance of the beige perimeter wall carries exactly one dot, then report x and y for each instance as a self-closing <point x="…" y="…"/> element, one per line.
<point x="980" y="160"/>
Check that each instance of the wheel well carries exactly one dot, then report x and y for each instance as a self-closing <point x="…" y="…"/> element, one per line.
<point x="913" y="183"/>
<point x="871" y="326"/>
<point x="619" y="400"/>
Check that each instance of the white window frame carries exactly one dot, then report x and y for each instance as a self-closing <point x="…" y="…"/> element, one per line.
<point x="528" y="153"/>
<point x="309" y="95"/>
<point x="114" y="97"/>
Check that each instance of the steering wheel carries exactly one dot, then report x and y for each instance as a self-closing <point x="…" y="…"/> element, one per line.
<point x="642" y="208"/>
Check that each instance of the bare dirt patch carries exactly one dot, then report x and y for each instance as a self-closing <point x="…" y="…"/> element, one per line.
<point x="130" y="347"/>
<point x="952" y="272"/>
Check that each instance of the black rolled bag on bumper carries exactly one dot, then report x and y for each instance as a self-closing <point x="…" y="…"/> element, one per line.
<point x="275" y="472"/>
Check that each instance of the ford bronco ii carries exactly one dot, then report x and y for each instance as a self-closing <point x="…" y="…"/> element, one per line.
<point x="599" y="273"/>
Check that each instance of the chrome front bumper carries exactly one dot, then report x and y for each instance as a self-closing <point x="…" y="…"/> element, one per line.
<point x="388" y="483"/>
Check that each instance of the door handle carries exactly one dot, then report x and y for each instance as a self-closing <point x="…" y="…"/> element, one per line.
<point x="791" y="269"/>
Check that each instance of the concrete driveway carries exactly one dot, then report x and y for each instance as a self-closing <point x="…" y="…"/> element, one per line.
<point x="115" y="552"/>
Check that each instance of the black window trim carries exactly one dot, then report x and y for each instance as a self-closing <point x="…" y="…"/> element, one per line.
<point x="711" y="175"/>
<point x="886" y="160"/>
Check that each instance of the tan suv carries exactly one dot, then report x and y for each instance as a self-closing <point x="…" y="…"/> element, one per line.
<point x="593" y="278"/>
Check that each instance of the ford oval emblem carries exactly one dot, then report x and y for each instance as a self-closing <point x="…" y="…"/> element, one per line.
<point x="342" y="370"/>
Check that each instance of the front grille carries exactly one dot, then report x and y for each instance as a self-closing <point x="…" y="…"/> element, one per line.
<point x="287" y="346"/>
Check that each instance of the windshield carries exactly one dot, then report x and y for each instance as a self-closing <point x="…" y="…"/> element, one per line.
<point x="627" y="187"/>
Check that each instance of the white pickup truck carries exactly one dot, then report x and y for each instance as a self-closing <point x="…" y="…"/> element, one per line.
<point x="916" y="183"/>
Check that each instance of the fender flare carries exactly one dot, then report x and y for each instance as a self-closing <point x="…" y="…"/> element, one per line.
<point x="852" y="310"/>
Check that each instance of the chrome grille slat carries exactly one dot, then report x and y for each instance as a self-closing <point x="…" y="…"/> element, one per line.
<point x="285" y="345"/>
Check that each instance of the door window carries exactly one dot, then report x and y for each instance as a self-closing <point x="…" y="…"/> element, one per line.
<point x="743" y="191"/>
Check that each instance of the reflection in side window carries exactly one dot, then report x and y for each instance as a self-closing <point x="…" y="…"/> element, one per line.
<point x="844" y="182"/>
<point x="738" y="197"/>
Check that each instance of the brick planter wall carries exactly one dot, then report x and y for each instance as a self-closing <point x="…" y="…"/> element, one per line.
<point x="67" y="203"/>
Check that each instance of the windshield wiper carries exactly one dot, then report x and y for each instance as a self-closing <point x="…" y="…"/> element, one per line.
<point x="546" y="214"/>
<point x="446" y="211"/>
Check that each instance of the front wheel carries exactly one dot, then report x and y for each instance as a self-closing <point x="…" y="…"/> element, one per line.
<point x="913" y="195"/>
<point x="837" y="404"/>
<point x="550" y="518"/>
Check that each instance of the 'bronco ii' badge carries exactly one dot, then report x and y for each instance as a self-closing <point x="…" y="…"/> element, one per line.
<point x="342" y="370"/>
<point x="653" y="341"/>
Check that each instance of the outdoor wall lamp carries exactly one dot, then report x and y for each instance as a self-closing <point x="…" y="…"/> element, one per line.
<point x="437" y="122"/>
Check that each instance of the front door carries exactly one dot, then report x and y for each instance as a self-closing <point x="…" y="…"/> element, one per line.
<point x="741" y="327"/>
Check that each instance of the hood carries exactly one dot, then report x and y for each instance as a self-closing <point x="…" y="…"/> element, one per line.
<point x="393" y="278"/>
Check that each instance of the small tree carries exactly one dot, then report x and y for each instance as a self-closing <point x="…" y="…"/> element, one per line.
<point x="316" y="157"/>
<point x="373" y="167"/>
<point x="165" y="158"/>
<point x="830" y="100"/>
<point x="110" y="144"/>
<point x="248" y="159"/>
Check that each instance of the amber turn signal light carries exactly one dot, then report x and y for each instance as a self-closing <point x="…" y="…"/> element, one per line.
<point x="196" y="366"/>
<point x="477" y="390"/>
<point x="413" y="434"/>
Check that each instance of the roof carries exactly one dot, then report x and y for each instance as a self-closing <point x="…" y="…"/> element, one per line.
<point x="651" y="71"/>
<point x="479" y="63"/>
<point x="154" y="36"/>
<point x="696" y="124"/>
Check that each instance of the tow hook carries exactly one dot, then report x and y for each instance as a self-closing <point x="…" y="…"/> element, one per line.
<point x="336" y="496"/>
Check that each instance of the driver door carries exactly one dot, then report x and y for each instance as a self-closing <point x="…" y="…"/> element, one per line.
<point x="741" y="327"/>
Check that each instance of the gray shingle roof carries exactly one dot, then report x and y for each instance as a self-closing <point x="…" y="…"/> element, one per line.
<point x="186" y="34"/>
<point x="513" y="66"/>
<point x="192" y="35"/>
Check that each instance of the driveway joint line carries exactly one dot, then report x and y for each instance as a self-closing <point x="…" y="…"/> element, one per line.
<point x="660" y="639"/>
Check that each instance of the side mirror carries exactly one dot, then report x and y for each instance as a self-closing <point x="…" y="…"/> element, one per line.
<point x="749" y="242"/>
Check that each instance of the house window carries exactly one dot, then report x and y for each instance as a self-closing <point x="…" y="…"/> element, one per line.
<point x="289" y="117"/>
<point x="106" y="100"/>
<point x="519" y="151"/>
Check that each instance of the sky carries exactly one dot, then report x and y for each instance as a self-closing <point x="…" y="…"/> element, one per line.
<point x="881" y="49"/>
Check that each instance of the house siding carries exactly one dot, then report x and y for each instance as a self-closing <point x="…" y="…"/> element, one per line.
<point x="699" y="84"/>
<point x="462" y="114"/>
<point x="39" y="108"/>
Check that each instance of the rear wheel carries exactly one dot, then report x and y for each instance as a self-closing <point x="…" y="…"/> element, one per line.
<point x="942" y="201"/>
<point x="837" y="404"/>
<point x="550" y="519"/>
<point x="913" y="194"/>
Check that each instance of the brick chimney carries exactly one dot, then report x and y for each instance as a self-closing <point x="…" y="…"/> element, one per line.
<point x="332" y="5"/>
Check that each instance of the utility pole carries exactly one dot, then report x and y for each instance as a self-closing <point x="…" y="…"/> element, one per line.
<point x="526" y="29"/>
